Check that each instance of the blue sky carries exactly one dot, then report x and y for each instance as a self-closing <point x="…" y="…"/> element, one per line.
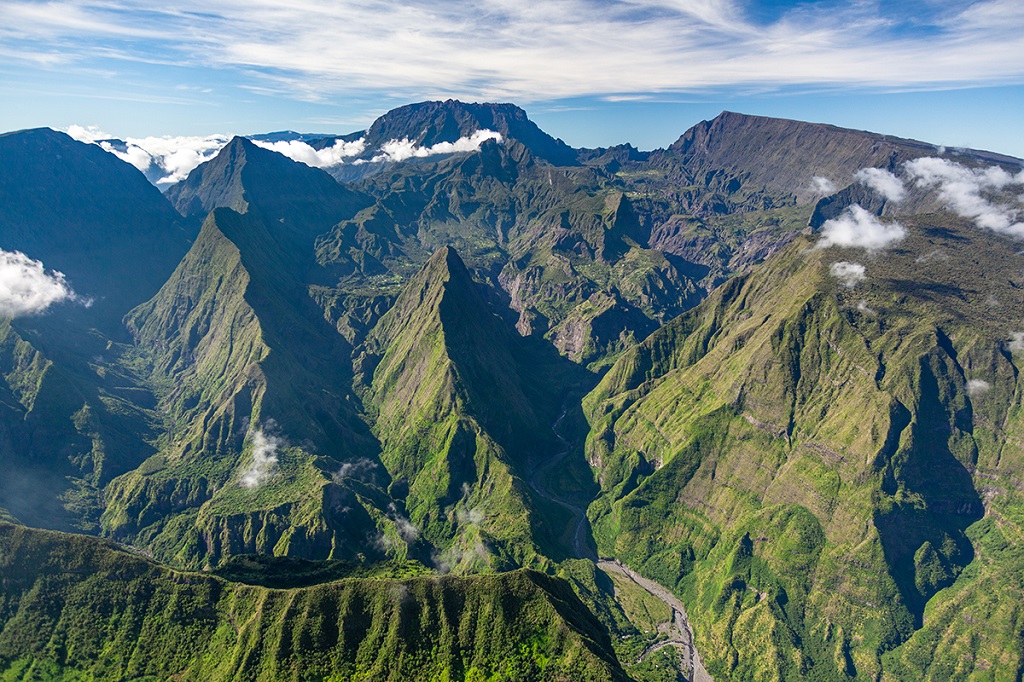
<point x="593" y="72"/>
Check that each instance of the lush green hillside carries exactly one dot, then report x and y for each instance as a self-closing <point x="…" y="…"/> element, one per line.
<point x="330" y="396"/>
<point x="827" y="474"/>
<point x="246" y="368"/>
<point x="80" y="608"/>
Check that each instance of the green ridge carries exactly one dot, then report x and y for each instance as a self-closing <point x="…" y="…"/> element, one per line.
<point x="804" y="463"/>
<point x="80" y="608"/>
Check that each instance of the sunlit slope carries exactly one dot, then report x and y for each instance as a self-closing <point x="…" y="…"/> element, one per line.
<point x="77" y="607"/>
<point x="818" y="470"/>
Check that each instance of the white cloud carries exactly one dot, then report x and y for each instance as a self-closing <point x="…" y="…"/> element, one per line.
<point x="531" y="51"/>
<point x="264" y="458"/>
<point x="87" y="134"/>
<point x="978" y="387"/>
<point x="176" y="157"/>
<point x="400" y="150"/>
<point x="963" y="190"/>
<point x="933" y="255"/>
<point x="883" y="182"/>
<point x="863" y="307"/>
<point x="406" y="530"/>
<point x="328" y="157"/>
<point x="358" y="469"/>
<point x="857" y="228"/>
<point x="848" y="274"/>
<point x="27" y="289"/>
<point x="1015" y="344"/>
<point x="169" y="159"/>
<point x="824" y="186"/>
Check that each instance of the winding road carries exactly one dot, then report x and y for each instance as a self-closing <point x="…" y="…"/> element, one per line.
<point x="680" y="632"/>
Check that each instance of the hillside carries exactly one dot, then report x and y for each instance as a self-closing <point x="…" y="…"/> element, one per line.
<point x="745" y="408"/>
<point x="158" y="623"/>
<point x="820" y="472"/>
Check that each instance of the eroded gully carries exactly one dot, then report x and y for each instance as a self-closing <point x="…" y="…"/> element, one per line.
<point x="680" y="633"/>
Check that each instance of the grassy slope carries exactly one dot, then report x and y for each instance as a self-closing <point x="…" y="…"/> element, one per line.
<point x="808" y="471"/>
<point x="452" y="417"/>
<point x="80" y="608"/>
<point x="233" y="340"/>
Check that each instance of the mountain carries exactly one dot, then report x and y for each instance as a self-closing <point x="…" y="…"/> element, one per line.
<point x="236" y="350"/>
<point x="244" y="177"/>
<point x="453" y="411"/>
<point x="744" y="408"/>
<point x="157" y="623"/>
<point x="429" y="123"/>
<point x="793" y="454"/>
<point x="83" y="212"/>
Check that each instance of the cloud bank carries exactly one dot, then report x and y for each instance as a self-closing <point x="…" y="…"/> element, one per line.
<point x="27" y="289"/>
<point x="968" y="192"/>
<point x="858" y="228"/>
<point x="883" y="182"/>
<point x="335" y="155"/>
<point x="401" y="150"/>
<point x="168" y="160"/>
<point x="165" y="160"/>
<point x="264" y="458"/>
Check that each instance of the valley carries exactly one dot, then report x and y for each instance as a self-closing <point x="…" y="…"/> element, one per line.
<point x="747" y="407"/>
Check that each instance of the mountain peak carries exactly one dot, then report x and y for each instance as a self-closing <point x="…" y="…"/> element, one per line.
<point x="243" y="175"/>
<point x="446" y="260"/>
<point x="430" y="123"/>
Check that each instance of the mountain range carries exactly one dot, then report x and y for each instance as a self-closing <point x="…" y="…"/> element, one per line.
<point x="746" y="407"/>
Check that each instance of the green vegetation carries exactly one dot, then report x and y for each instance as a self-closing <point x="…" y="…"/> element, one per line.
<point x="378" y="416"/>
<point x="799" y="462"/>
<point x="79" y="608"/>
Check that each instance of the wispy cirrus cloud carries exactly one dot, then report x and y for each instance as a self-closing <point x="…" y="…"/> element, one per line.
<point x="536" y="51"/>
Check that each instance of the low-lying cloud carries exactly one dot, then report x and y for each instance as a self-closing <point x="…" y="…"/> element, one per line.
<point x="360" y="469"/>
<point x="26" y="288"/>
<point x="858" y="228"/>
<point x="883" y="182"/>
<point x="168" y="160"/>
<point x="848" y="274"/>
<point x="164" y="160"/>
<point x="401" y="150"/>
<point x="823" y="186"/>
<point x="964" y="190"/>
<point x="977" y="387"/>
<point x="328" y="157"/>
<point x="264" y="458"/>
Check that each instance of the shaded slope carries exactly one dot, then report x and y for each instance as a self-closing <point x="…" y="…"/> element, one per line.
<point x="235" y="345"/>
<point x="304" y="200"/>
<point x="451" y="408"/>
<point x="89" y="215"/>
<point x="806" y="468"/>
<point x="67" y="425"/>
<point x="80" y="606"/>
